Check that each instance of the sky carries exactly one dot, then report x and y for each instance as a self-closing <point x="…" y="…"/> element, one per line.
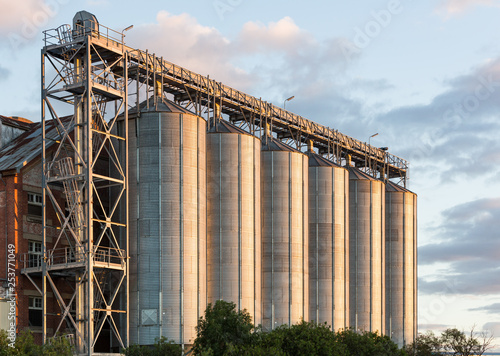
<point x="424" y="75"/>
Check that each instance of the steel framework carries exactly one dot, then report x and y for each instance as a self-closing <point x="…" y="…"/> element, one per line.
<point x="89" y="69"/>
<point x="82" y="74"/>
<point x="205" y="96"/>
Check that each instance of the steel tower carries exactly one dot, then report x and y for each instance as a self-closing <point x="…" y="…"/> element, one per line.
<point x="84" y="90"/>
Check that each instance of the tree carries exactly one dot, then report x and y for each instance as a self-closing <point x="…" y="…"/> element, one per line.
<point x="456" y="341"/>
<point x="161" y="347"/>
<point x="368" y="343"/>
<point x="25" y="345"/>
<point x="426" y="344"/>
<point x="304" y="338"/>
<point x="451" y="341"/>
<point x="222" y="326"/>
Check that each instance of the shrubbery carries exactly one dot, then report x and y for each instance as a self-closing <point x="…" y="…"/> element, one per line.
<point x="25" y="346"/>
<point x="225" y="331"/>
<point x="162" y="347"/>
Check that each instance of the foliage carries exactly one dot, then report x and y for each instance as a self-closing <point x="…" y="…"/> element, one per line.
<point x="25" y="346"/>
<point x="368" y="343"/>
<point x="222" y="326"/>
<point x="161" y="347"/>
<point x="306" y="338"/>
<point x="452" y="341"/>
<point x="426" y="344"/>
<point x="455" y="341"/>
<point x="226" y="331"/>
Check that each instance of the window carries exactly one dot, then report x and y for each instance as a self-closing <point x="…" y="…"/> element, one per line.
<point x="34" y="254"/>
<point x="35" y="311"/>
<point x="34" y="204"/>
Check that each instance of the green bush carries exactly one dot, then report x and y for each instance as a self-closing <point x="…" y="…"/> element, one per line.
<point x="25" y="346"/>
<point x="452" y="341"/>
<point x="161" y="347"/>
<point x="368" y="343"/>
<point x="221" y="327"/>
<point x="305" y="338"/>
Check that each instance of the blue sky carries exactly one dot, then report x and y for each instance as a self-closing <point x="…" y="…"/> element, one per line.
<point x="425" y="75"/>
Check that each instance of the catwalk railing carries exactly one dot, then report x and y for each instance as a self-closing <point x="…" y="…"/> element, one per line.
<point x="188" y="86"/>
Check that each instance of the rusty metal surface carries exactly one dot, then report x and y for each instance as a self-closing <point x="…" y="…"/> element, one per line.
<point x="28" y="146"/>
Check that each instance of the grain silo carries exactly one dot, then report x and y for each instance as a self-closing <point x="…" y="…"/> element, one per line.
<point x="401" y="264"/>
<point x="167" y="222"/>
<point x="285" y="291"/>
<point x="328" y="242"/>
<point x="366" y="252"/>
<point x="233" y="218"/>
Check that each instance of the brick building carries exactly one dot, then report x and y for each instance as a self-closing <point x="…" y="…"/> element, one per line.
<point x="21" y="225"/>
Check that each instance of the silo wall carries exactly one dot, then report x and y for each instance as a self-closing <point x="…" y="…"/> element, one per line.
<point x="328" y="243"/>
<point x="401" y="264"/>
<point x="285" y="235"/>
<point x="233" y="219"/>
<point x="167" y="190"/>
<point x="366" y="252"/>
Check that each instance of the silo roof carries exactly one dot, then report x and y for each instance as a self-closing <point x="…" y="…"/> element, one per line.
<point x="355" y="173"/>
<point x="315" y="160"/>
<point x="226" y="127"/>
<point x="276" y="145"/>
<point x="163" y="105"/>
<point x="393" y="187"/>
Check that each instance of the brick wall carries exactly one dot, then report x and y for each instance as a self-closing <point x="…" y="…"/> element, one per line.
<point x="19" y="228"/>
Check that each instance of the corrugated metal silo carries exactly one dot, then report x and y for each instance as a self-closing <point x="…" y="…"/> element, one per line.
<point x="233" y="218"/>
<point x="328" y="242"/>
<point x="401" y="264"/>
<point x="167" y="191"/>
<point x="366" y="252"/>
<point x="284" y="234"/>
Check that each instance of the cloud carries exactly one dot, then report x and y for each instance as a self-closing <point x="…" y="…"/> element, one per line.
<point x="272" y="61"/>
<point x="13" y="11"/>
<point x="468" y="241"/>
<point x="455" y="7"/>
<point x="493" y="328"/>
<point x="457" y="130"/>
<point x="282" y="36"/>
<point x="23" y="21"/>
<point x="433" y="327"/>
<point x="183" y="41"/>
<point x="4" y="73"/>
<point x="491" y="309"/>
<point x="98" y="2"/>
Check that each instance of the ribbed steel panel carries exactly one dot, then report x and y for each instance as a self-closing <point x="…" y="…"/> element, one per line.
<point x="233" y="221"/>
<point x="167" y="225"/>
<point x="366" y="252"/>
<point x="329" y="245"/>
<point x="285" y="237"/>
<point x="401" y="264"/>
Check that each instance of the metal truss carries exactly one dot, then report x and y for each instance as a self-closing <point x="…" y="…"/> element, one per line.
<point x="87" y="73"/>
<point x="84" y="90"/>
<point x="205" y="96"/>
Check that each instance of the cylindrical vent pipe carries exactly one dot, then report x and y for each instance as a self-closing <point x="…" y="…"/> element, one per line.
<point x="285" y="235"/>
<point x="234" y="218"/>
<point x="328" y="242"/>
<point x="401" y="264"/>
<point x="310" y="146"/>
<point x="366" y="252"/>
<point x="167" y="190"/>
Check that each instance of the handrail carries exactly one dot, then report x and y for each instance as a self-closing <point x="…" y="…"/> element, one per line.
<point x="69" y="255"/>
<point x="252" y="103"/>
<point x="231" y="98"/>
